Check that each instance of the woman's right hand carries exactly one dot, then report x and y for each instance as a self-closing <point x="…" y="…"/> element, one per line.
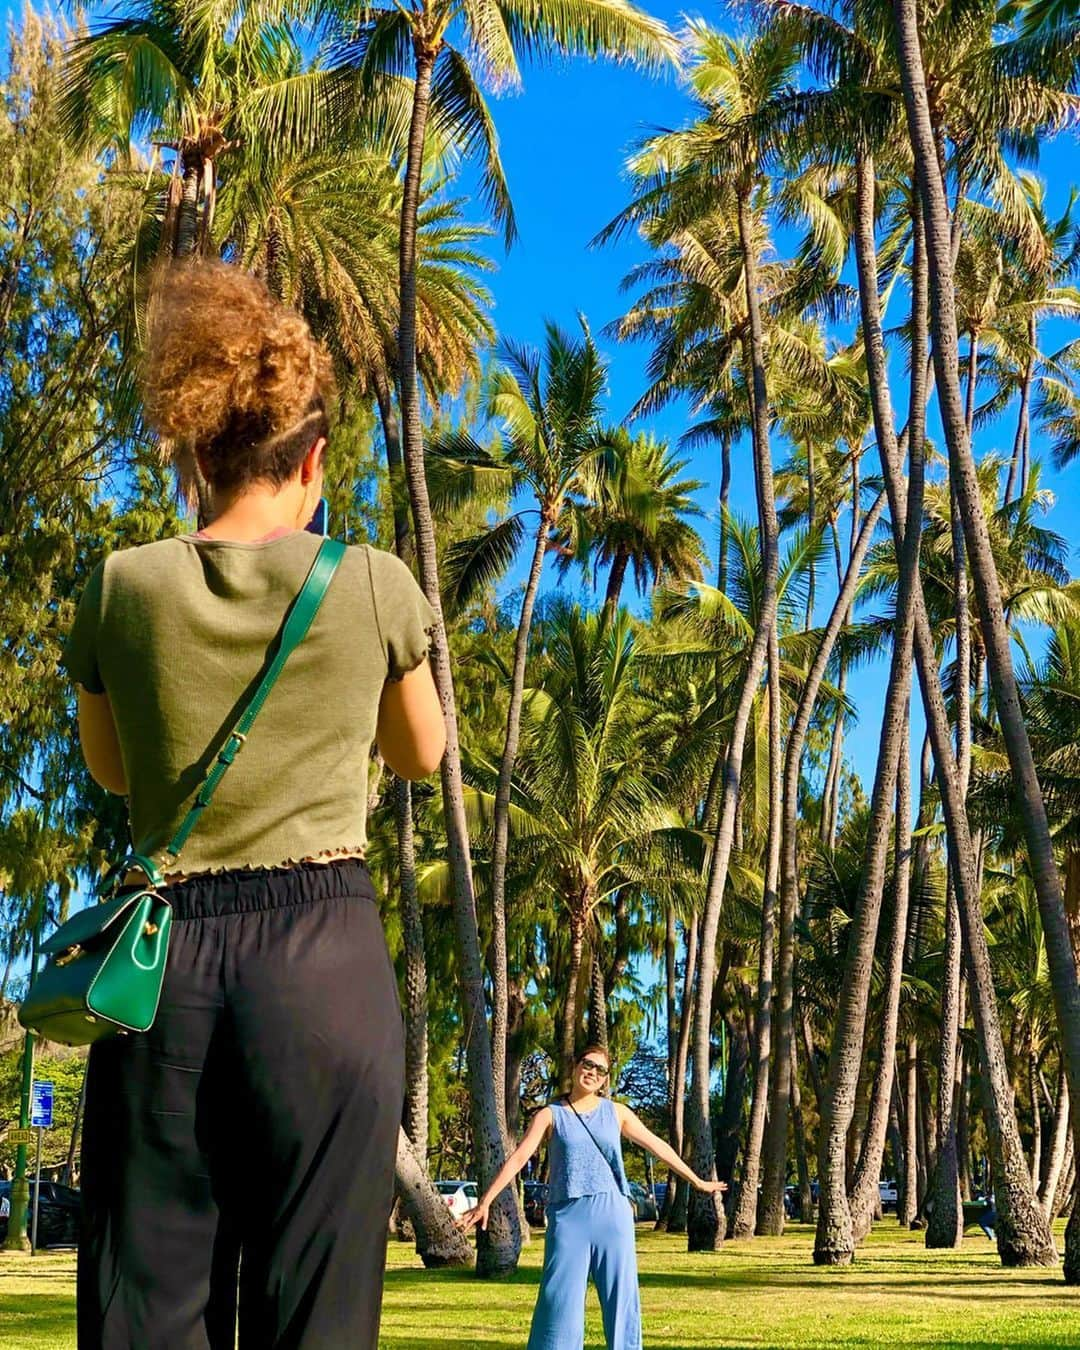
<point x="477" y="1215"/>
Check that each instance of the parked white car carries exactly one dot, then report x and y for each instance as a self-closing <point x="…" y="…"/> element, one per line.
<point x="460" y="1196"/>
<point x="889" y="1196"/>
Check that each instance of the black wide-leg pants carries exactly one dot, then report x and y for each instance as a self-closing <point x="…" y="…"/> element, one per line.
<point x="238" y="1158"/>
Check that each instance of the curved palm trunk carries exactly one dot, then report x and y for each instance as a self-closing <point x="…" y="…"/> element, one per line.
<point x="500" y="841"/>
<point x="945" y="1227"/>
<point x="1023" y="421"/>
<point x="866" y="1194"/>
<point x="616" y="577"/>
<point x="725" y="494"/>
<point x="499" y="1245"/>
<point x="439" y="1241"/>
<point x="416" y="1009"/>
<point x="674" y="1218"/>
<point x="1023" y="1237"/>
<point x="746" y="1209"/>
<point x="1036" y="1118"/>
<point x="807" y="1207"/>
<point x="399" y="496"/>
<point x="830" y="809"/>
<point x="945" y="1224"/>
<point x="1058" y="1141"/>
<point x="811" y="518"/>
<point x="772" y="1199"/>
<point x="706" y="1216"/>
<point x="835" y="1239"/>
<point x="568" y="1038"/>
<point x="1060" y="958"/>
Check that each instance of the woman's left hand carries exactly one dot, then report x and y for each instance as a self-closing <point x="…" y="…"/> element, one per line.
<point x="710" y="1187"/>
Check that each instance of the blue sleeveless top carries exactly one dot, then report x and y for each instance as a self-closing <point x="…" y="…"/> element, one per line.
<point x="576" y="1165"/>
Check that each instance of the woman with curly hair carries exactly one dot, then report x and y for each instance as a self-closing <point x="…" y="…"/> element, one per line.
<point x="238" y="1157"/>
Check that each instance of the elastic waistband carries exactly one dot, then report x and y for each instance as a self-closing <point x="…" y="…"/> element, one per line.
<point x="244" y="891"/>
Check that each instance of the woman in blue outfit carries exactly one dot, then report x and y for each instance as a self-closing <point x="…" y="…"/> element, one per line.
<point x="590" y="1224"/>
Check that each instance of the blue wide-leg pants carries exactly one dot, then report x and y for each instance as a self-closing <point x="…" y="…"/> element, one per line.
<point x="590" y="1236"/>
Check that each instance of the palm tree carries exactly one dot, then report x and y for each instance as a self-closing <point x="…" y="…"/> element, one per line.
<point x="733" y="81"/>
<point x="199" y="77"/>
<point x="550" y="405"/>
<point x="446" y="94"/>
<point x="634" y="515"/>
<point x="599" y="821"/>
<point x="1045" y="106"/>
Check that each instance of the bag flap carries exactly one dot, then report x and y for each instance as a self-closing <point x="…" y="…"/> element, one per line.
<point x="91" y="923"/>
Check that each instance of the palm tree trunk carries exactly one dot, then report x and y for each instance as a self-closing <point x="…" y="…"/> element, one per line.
<point x="945" y="1224"/>
<point x="416" y="1008"/>
<point x="807" y="1210"/>
<point x="830" y="813"/>
<point x="1023" y="421"/>
<point x="1060" y="958"/>
<point x="682" y="1049"/>
<point x="835" y="1240"/>
<point x="439" y="1241"/>
<point x="71" y="1162"/>
<point x="772" y="1199"/>
<point x="725" y="493"/>
<point x="706" y="1218"/>
<point x="1036" y="1119"/>
<point x="497" y="1246"/>
<point x="187" y="224"/>
<point x="597" y="1001"/>
<point x="616" y="577"/>
<point x="963" y="1127"/>
<point x="866" y="1193"/>
<point x="972" y="379"/>
<point x="568" y="1044"/>
<point x="399" y="496"/>
<point x="746" y="1209"/>
<point x="811" y="520"/>
<point x="908" y="1204"/>
<point x="1022" y="1234"/>
<point x="1056" y="1157"/>
<point x="945" y="1227"/>
<point x="817" y="1082"/>
<point x="500" y="832"/>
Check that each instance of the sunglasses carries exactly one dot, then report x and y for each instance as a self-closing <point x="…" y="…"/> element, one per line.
<point x="593" y="1067"/>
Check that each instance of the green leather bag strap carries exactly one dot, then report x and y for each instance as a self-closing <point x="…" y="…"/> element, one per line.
<point x="294" y="629"/>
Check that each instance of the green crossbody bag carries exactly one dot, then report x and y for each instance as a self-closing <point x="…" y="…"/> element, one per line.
<point x="106" y="964"/>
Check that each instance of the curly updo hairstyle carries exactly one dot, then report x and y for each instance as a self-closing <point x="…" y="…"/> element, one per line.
<point x="234" y="374"/>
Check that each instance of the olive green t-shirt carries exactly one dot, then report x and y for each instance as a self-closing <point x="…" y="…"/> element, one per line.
<point x="177" y="633"/>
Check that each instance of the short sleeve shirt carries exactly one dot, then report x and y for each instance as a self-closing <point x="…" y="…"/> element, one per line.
<point x="178" y="633"/>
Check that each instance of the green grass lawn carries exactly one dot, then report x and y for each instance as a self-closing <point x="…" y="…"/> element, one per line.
<point x="763" y="1294"/>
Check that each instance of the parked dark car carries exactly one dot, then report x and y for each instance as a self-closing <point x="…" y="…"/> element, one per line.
<point x="535" y="1196"/>
<point x="644" y="1204"/>
<point x="58" y="1214"/>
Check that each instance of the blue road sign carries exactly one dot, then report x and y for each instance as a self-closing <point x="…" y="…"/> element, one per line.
<point x="41" y="1104"/>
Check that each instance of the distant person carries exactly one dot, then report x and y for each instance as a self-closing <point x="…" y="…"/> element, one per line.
<point x="988" y="1218"/>
<point x="590" y="1219"/>
<point x="238" y="1157"/>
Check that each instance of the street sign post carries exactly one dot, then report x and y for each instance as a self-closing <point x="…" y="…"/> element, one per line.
<point x="41" y="1113"/>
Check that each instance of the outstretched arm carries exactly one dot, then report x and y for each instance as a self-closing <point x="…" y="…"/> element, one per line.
<point x="541" y="1122"/>
<point x="637" y="1133"/>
